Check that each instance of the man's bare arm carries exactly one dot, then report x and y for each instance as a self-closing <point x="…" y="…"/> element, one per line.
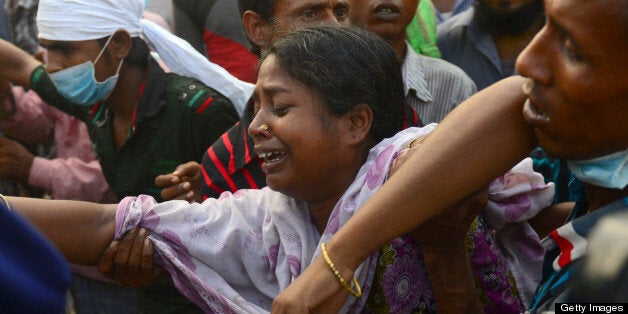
<point x="16" y="65"/>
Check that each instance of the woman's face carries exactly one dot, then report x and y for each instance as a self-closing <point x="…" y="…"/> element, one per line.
<point x="303" y="150"/>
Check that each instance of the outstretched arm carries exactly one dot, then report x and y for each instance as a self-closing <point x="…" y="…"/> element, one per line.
<point x="81" y="230"/>
<point x="482" y="138"/>
<point x="16" y="65"/>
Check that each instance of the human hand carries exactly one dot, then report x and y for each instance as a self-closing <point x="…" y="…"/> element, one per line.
<point x="444" y="246"/>
<point x="440" y="232"/>
<point x="130" y="261"/>
<point x="15" y="161"/>
<point x="316" y="290"/>
<point x="184" y="183"/>
<point x="41" y="55"/>
<point x="404" y="154"/>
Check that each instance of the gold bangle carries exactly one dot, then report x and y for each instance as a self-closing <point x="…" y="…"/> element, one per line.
<point x="6" y="202"/>
<point x="358" y="291"/>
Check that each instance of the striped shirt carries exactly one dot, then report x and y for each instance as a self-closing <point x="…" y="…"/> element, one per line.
<point x="230" y="164"/>
<point x="433" y="87"/>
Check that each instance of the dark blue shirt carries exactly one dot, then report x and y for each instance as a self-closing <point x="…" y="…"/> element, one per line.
<point x="34" y="275"/>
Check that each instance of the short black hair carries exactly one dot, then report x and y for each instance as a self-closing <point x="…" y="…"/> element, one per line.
<point x="265" y="9"/>
<point x="346" y="66"/>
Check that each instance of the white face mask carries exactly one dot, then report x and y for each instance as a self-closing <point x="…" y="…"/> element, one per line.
<point x="610" y="171"/>
<point x="78" y="83"/>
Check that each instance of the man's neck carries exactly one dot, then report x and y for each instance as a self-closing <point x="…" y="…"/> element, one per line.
<point x="599" y="196"/>
<point x="123" y="98"/>
<point x="122" y="102"/>
<point x="399" y="46"/>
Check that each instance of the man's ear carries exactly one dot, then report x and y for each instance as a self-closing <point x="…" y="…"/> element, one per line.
<point x="256" y="28"/>
<point x="360" y="121"/>
<point x="120" y="44"/>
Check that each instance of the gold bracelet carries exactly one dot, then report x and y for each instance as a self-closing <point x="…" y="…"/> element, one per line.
<point x="6" y="203"/>
<point x="358" y="291"/>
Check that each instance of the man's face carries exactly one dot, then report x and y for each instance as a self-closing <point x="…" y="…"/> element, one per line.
<point x="65" y="54"/>
<point x="386" y="18"/>
<point x="295" y="14"/>
<point x="578" y="78"/>
<point x="506" y="5"/>
<point x="499" y="17"/>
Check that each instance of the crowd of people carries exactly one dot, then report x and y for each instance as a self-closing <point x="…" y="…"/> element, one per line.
<point x="299" y="156"/>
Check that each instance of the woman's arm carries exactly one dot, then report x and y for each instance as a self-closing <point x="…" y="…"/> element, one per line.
<point x="80" y="230"/>
<point x="481" y="139"/>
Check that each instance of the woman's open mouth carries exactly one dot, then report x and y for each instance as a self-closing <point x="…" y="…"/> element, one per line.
<point x="271" y="159"/>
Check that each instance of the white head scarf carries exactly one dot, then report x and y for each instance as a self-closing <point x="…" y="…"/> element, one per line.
<point x="76" y="20"/>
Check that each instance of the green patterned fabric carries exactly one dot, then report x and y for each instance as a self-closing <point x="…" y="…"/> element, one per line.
<point x="421" y="32"/>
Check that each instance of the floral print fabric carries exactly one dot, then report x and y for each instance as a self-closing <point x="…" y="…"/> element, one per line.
<point x="505" y="253"/>
<point x="236" y="253"/>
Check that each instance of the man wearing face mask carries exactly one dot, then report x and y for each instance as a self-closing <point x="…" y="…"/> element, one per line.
<point x="142" y="122"/>
<point x="101" y="71"/>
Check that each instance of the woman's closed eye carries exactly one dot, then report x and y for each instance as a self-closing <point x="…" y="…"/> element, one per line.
<point x="280" y="110"/>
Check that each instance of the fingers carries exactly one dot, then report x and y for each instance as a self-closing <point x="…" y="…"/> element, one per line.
<point x="190" y="169"/>
<point x="39" y="55"/>
<point x="105" y="264"/>
<point x="15" y="160"/>
<point x="182" y="183"/>
<point x="316" y="290"/>
<point x="479" y="199"/>
<point x="142" y="269"/>
<point x="182" y="191"/>
<point x="167" y="180"/>
<point x="121" y="259"/>
<point x="404" y="154"/>
<point x="398" y="161"/>
<point x="135" y="258"/>
<point x="148" y="262"/>
<point x="130" y="261"/>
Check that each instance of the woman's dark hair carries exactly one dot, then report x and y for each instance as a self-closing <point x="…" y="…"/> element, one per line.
<point x="347" y="66"/>
<point x="138" y="55"/>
